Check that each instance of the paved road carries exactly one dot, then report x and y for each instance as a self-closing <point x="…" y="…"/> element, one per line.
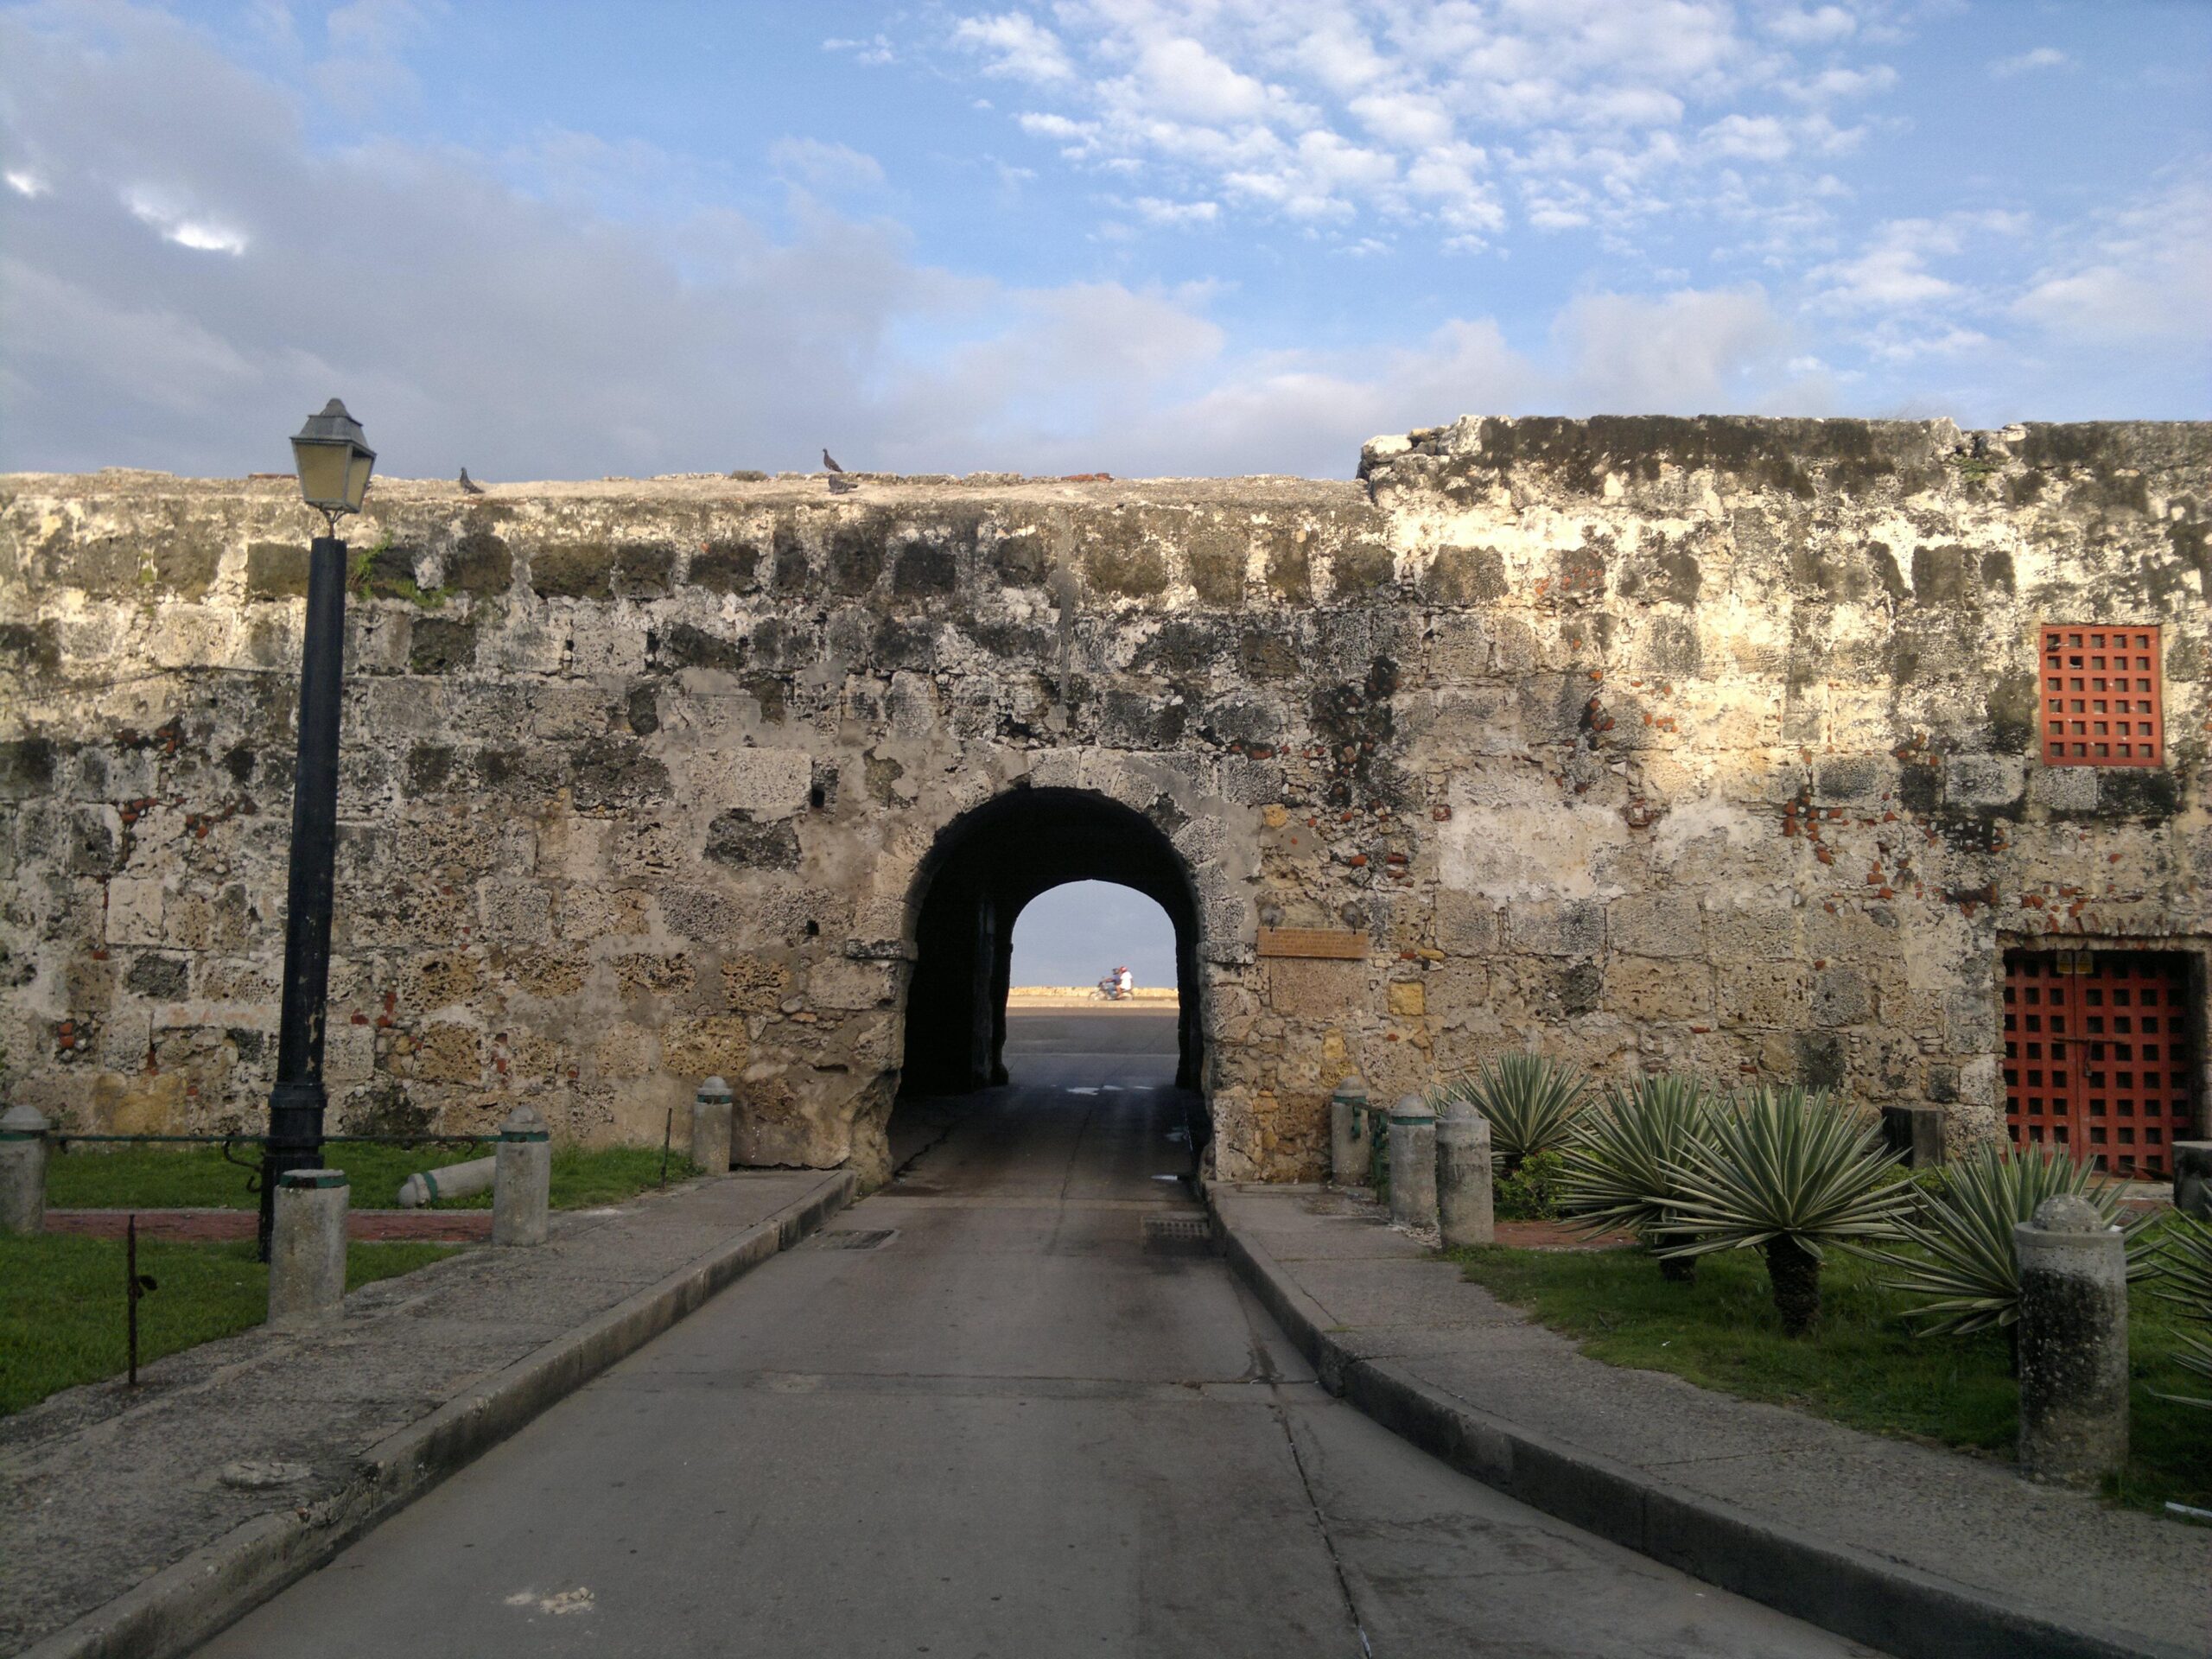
<point x="1008" y="1429"/>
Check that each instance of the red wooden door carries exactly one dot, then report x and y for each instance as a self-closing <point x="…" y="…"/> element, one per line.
<point x="2098" y="1055"/>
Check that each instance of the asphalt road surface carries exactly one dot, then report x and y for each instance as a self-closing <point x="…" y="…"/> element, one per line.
<point x="981" y="1417"/>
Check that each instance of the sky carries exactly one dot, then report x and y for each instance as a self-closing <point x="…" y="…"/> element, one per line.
<point x="1078" y="933"/>
<point x="559" y="240"/>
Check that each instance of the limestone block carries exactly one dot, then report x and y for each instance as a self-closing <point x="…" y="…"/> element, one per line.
<point x="652" y="973"/>
<point x="135" y="905"/>
<point x="1758" y="932"/>
<point x="1987" y="780"/>
<point x="623" y="1050"/>
<point x="1316" y="989"/>
<point x="1669" y="923"/>
<point x="1466" y="923"/>
<point x="1842" y="996"/>
<point x="521" y="911"/>
<point x="593" y="913"/>
<point x="1408" y="998"/>
<point x="756" y="984"/>
<point x="1553" y="928"/>
<point x="843" y="984"/>
<point x="349" y="1054"/>
<point x="1459" y="991"/>
<point x="767" y="783"/>
<point x="1770" y="994"/>
<point x="450" y="1052"/>
<point x="1643" y="987"/>
<point x="2064" y="789"/>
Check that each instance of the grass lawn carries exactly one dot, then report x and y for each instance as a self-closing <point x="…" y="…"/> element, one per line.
<point x="1861" y="1366"/>
<point x="61" y="1303"/>
<point x="198" y="1177"/>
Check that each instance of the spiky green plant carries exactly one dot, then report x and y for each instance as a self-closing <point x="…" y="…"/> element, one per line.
<point x="1786" y="1173"/>
<point x="1621" y="1161"/>
<point x="1530" y="1101"/>
<point x="1970" y="1279"/>
<point x="2183" y="1264"/>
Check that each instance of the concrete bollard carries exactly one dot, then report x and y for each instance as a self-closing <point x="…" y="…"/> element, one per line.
<point x="307" y="1248"/>
<point x="449" y="1181"/>
<point x="2192" y="1176"/>
<point x="522" y="1193"/>
<point x="710" y="1120"/>
<point x="1412" y="1163"/>
<point x="2072" y="1342"/>
<point x="1465" y="1213"/>
<point x="23" y="1147"/>
<point x="1347" y="1137"/>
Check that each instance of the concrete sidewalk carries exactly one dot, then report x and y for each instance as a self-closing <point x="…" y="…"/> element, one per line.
<point x="127" y="1528"/>
<point x="1921" y="1553"/>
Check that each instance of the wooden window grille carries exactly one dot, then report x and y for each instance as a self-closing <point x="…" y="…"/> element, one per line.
<point x="2100" y="1056"/>
<point x="2101" y="697"/>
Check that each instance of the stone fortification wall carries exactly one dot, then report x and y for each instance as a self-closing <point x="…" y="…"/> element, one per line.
<point x="1660" y="743"/>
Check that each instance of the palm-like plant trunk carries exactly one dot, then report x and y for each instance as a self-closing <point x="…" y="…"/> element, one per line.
<point x="1678" y="1269"/>
<point x="1795" y="1272"/>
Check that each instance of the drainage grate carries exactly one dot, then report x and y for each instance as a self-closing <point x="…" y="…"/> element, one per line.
<point x="1177" y="1235"/>
<point x="850" y="1238"/>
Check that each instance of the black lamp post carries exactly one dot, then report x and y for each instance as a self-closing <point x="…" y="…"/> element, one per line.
<point x="333" y="465"/>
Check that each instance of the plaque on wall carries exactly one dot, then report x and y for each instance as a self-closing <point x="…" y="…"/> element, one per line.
<point x="1333" y="944"/>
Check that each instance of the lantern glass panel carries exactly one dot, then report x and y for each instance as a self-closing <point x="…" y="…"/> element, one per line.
<point x="323" y="468"/>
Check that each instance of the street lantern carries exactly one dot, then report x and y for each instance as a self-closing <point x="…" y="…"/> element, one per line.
<point x="332" y="462"/>
<point x="333" y="465"/>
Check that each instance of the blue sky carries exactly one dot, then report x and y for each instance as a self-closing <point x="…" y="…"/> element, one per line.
<point x="1078" y="933"/>
<point x="562" y="240"/>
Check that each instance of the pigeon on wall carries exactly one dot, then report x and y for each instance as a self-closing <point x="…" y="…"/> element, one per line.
<point x="831" y="462"/>
<point x="470" y="485"/>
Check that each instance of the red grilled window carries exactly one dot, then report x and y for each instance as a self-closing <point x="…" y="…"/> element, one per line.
<point x="2100" y="697"/>
<point x="2100" y="1050"/>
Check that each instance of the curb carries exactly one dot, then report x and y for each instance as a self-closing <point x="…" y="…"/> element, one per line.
<point x="1884" y="1604"/>
<point x="192" y="1599"/>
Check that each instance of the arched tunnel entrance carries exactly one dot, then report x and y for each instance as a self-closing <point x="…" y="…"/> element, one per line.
<point x="985" y="867"/>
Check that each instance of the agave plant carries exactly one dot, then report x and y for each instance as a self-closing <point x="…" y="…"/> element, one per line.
<point x="1788" y="1173"/>
<point x="1621" y="1161"/>
<point x="2184" y="1268"/>
<point x="1530" y="1101"/>
<point x="1970" y="1279"/>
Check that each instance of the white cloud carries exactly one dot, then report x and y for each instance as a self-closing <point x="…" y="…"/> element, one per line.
<point x="825" y="167"/>
<point x="2042" y="57"/>
<point x="26" y="183"/>
<point x="2139" y="273"/>
<point x="1320" y="111"/>
<point x="1751" y="137"/>
<point x="873" y="50"/>
<point x="1687" y="353"/>
<point x="1812" y="28"/>
<point x="1160" y="212"/>
<point x="149" y="206"/>
<point x="1016" y="45"/>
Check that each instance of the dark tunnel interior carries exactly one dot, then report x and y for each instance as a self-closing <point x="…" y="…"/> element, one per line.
<point x="985" y="867"/>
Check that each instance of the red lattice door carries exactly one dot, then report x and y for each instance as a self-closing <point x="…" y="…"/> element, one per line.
<point x="2098" y="1055"/>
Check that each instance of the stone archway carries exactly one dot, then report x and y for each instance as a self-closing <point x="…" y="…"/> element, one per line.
<point x="984" y="866"/>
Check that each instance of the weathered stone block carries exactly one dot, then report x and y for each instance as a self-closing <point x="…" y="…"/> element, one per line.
<point x="1842" y="996"/>
<point x="1771" y="993"/>
<point x="1656" y="924"/>
<point x="1315" y="990"/>
<point x="767" y="783"/>
<point x="1557" y="928"/>
<point x="1985" y="779"/>
<point x="705" y="1044"/>
<point x="1466" y="923"/>
<point x="1643" y="987"/>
